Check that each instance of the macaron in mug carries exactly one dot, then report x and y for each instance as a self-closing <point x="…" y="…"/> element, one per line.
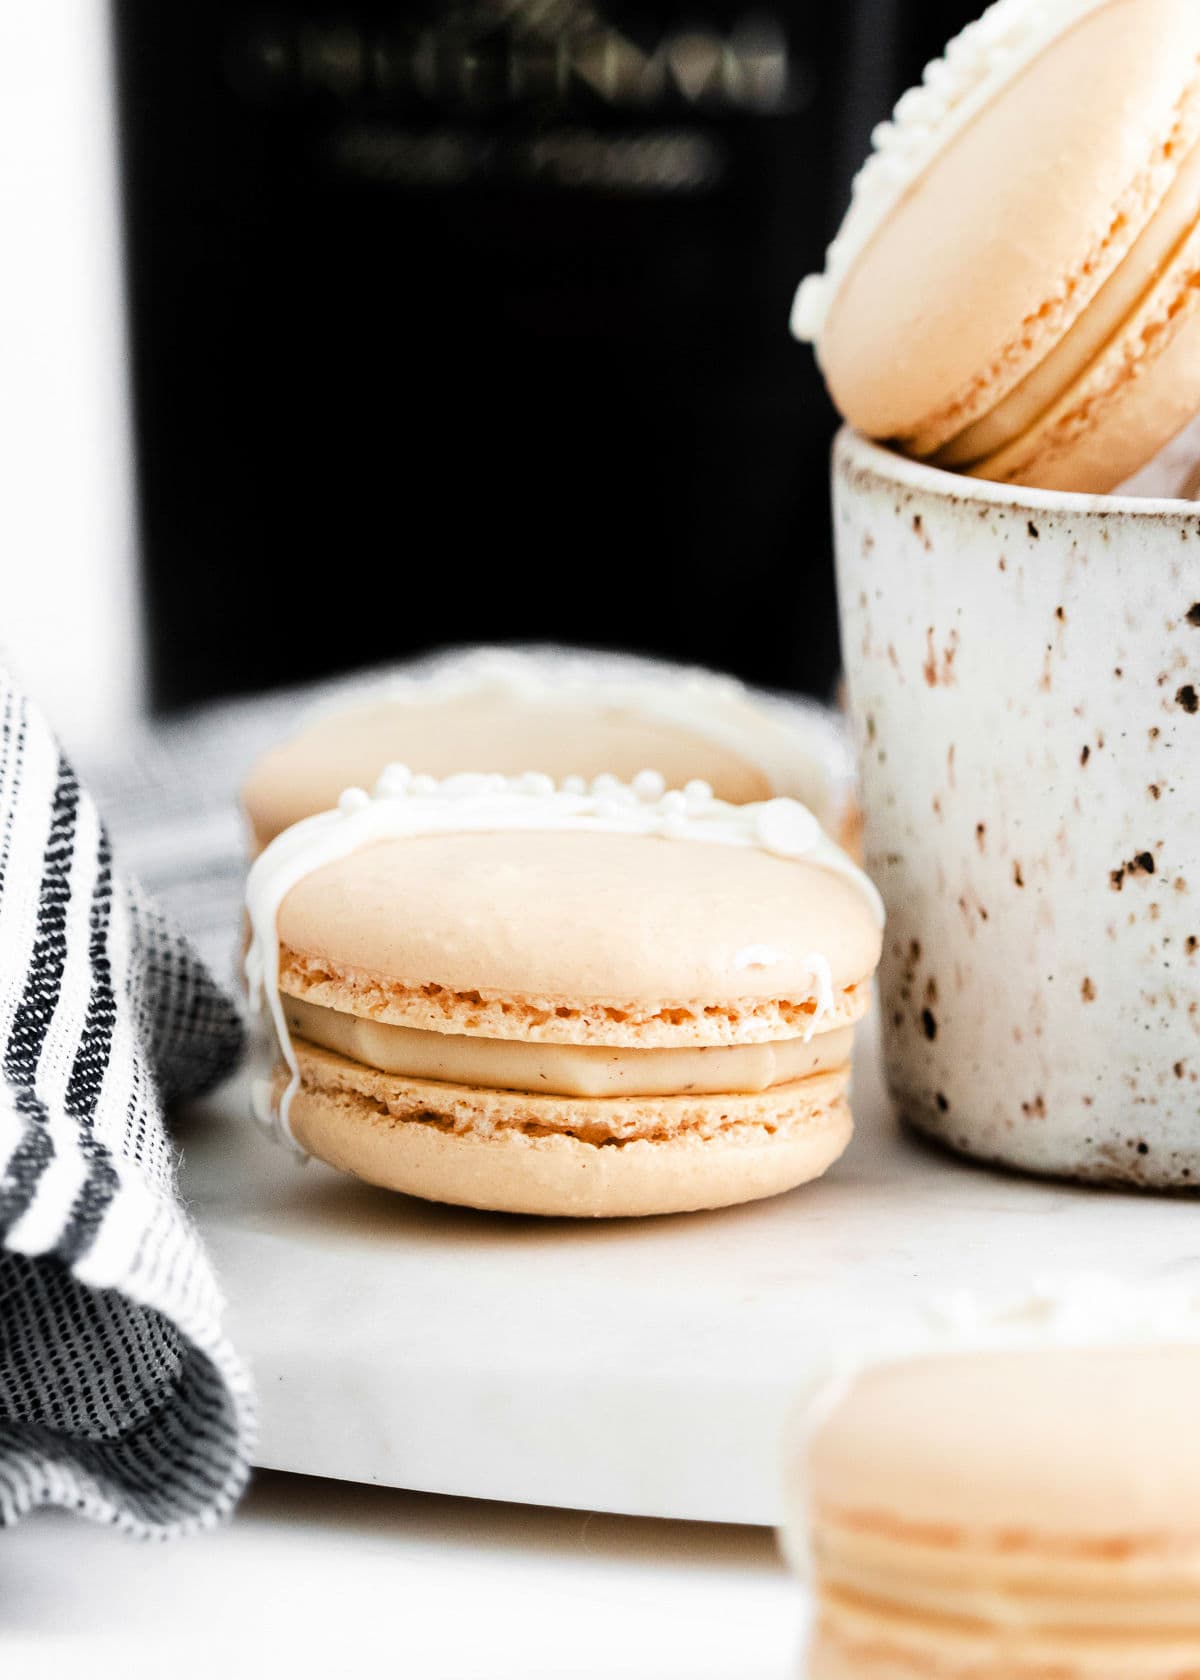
<point x="1012" y="307"/>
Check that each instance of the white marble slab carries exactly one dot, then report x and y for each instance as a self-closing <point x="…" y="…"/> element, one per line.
<point x="637" y="1367"/>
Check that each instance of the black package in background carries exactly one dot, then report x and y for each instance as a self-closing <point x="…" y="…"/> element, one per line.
<point x="461" y="322"/>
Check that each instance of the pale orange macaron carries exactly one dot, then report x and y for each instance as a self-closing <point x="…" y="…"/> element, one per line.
<point x="1015" y="291"/>
<point x="1008" y="1515"/>
<point x="510" y="710"/>
<point x="586" y="1000"/>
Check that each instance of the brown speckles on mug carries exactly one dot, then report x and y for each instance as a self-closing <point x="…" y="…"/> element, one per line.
<point x="1142" y="864"/>
<point x="1087" y="989"/>
<point x="939" y="669"/>
<point x="1188" y="699"/>
<point x="972" y="912"/>
<point x="1193" y="615"/>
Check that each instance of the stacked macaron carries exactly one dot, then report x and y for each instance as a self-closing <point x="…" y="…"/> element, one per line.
<point x="567" y="998"/>
<point x="1005" y="1489"/>
<point x="1008" y="1515"/>
<point x="1015" y="291"/>
<point x="510" y="710"/>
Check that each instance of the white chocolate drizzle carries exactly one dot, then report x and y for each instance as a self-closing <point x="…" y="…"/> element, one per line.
<point x="976" y="64"/>
<point x="408" y="805"/>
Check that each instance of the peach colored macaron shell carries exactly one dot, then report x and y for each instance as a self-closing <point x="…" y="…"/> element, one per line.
<point x="510" y="710"/>
<point x="1028" y="310"/>
<point x="1010" y="1516"/>
<point x="482" y="731"/>
<point x="514" y="1153"/>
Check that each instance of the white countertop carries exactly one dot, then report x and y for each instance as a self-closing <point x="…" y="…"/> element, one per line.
<point x="644" y="1367"/>
<point x="314" y="1576"/>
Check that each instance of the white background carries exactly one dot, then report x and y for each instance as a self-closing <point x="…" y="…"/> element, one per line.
<point x="68" y="619"/>
<point x="325" y="1577"/>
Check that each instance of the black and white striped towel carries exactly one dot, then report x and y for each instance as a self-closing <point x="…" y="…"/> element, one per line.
<point x="120" y="1397"/>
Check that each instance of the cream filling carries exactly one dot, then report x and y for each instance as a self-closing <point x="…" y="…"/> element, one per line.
<point x="1096" y="328"/>
<point x="568" y="1070"/>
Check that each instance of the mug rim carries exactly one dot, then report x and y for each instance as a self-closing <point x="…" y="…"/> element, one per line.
<point x="862" y="452"/>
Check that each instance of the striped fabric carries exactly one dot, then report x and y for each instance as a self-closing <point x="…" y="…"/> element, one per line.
<point x="119" y="1395"/>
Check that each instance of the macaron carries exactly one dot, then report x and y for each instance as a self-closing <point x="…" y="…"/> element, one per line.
<point x="1015" y="290"/>
<point x="510" y="711"/>
<point x="596" y="1000"/>
<point x="1008" y="1514"/>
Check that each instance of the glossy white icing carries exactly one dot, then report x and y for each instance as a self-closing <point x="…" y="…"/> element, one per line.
<point x="404" y="804"/>
<point x="976" y="64"/>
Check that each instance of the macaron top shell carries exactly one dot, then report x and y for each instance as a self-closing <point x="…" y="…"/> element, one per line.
<point x="578" y="915"/>
<point x="1079" y="1443"/>
<point x="488" y="731"/>
<point x="1007" y="235"/>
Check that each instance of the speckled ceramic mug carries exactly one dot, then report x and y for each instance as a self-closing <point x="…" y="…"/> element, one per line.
<point x="1024" y="676"/>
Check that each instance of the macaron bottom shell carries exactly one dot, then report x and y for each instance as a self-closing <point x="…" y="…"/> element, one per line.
<point x="516" y="1153"/>
<point x="858" y="1641"/>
